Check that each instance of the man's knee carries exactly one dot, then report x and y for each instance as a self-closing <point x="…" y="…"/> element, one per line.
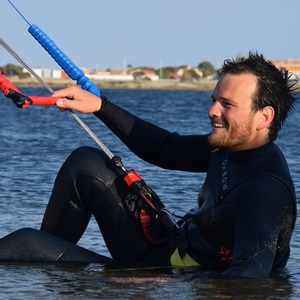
<point x="88" y="161"/>
<point x="88" y="154"/>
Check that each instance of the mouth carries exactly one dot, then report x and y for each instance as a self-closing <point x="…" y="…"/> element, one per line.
<point x="218" y="125"/>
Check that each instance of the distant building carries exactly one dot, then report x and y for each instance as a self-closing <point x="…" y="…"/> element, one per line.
<point x="292" y="65"/>
<point x="110" y="75"/>
<point x="95" y="74"/>
<point x="180" y="72"/>
<point x="47" y="73"/>
<point x="141" y="73"/>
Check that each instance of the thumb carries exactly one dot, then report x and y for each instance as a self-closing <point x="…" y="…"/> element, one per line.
<point x="61" y="103"/>
<point x="64" y="103"/>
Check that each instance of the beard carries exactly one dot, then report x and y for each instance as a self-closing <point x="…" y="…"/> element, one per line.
<point x="233" y="137"/>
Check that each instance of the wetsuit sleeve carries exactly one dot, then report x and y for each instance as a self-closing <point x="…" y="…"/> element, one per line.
<point x="264" y="218"/>
<point x="154" y="144"/>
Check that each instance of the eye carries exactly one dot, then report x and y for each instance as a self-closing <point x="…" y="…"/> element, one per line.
<point x="227" y="104"/>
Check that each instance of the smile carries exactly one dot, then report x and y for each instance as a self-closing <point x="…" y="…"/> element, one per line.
<point x="218" y="125"/>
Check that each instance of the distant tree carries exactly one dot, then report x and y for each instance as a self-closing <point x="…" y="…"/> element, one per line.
<point x="186" y="77"/>
<point x="207" y="68"/>
<point x="13" y="70"/>
<point x="194" y="74"/>
<point x="183" y="67"/>
<point x="166" y="72"/>
<point x="189" y="76"/>
<point x="24" y="74"/>
<point x="129" y="67"/>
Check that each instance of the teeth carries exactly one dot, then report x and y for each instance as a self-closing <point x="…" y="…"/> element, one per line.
<point x="218" y="125"/>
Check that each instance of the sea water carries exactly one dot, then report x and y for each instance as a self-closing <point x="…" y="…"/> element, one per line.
<point x="34" y="144"/>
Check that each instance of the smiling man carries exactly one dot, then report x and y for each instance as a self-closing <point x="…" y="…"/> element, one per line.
<point x="236" y="125"/>
<point x="246" y="209"/>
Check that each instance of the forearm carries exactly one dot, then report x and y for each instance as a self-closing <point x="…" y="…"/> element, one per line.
<point x="154" y="144"/>
<point x="143" y="138"/>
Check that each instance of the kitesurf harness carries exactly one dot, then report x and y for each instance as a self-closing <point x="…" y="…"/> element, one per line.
<point x="149" y="206"/>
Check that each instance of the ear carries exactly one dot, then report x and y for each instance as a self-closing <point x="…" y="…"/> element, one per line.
<point x="266" y="117"/>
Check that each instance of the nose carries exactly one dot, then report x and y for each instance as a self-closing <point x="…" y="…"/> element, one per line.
<point x="215" y="110"/>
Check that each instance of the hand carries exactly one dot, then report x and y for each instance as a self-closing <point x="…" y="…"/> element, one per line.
<point x="77" y="99"/>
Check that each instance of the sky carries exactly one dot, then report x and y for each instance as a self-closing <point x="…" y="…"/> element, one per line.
<point x="98" y="34"/>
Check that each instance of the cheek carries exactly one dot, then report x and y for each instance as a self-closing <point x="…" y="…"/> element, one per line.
<point x="238" y="117"/>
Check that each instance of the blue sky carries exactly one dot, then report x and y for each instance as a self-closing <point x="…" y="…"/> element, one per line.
<point x="101" y="34"/>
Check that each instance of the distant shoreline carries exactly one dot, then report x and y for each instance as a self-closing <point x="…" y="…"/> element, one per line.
<point x="126" y="84"/>
<point x="132" y="84"/>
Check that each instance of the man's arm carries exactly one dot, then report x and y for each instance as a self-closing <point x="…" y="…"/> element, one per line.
<point x="148" y="141"/>
<point x="155" y="144"/>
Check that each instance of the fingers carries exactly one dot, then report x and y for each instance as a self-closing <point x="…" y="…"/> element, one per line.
<point x="69" y="92"/>
<point x="75" y="104"/>
<point x="77" y="99"/>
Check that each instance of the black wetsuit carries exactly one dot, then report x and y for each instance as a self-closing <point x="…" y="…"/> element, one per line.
<point x="243" y="223"/>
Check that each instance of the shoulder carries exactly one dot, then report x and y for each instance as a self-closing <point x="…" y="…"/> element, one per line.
<point x="265" y="185"/>
<point x="265" y="193"/>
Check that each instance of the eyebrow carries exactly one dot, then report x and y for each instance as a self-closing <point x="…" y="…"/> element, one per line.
<point x="224" y="99"/>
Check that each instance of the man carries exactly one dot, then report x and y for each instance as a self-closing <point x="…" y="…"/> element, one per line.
<point x="246" y="209"/>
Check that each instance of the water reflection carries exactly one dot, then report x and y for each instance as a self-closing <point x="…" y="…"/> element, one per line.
<point x="96" y="282"/>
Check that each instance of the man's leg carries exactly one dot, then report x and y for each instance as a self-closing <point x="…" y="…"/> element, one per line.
<point x="29" y="245"/>
<point x="89" y="183"/>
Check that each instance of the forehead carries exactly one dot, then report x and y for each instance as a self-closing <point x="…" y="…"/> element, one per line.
<point x="236" y="86"/>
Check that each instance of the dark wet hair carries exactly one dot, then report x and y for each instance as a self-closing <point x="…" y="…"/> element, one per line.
<point x="274" y="88"/>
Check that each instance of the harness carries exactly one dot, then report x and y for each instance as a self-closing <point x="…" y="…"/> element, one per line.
<point x="150" y="209"/>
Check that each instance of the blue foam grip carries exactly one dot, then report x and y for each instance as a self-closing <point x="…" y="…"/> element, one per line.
<point x="67" y="65"/>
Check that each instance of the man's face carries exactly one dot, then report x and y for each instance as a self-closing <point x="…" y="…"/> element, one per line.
<point x="233" y="121"/>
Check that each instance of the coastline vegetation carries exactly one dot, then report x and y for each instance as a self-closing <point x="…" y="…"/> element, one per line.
<point x="190" y="79"/>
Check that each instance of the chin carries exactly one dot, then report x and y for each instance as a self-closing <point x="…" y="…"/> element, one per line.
<point x="214" y="141"/>
<point x="219" y="143"/>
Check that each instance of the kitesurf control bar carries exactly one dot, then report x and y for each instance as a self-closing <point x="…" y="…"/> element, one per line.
<point x="35" y="75"/>
<point x="132" y="178"/>
<point x="66" y="64"/>
<point x="21" y="100"/>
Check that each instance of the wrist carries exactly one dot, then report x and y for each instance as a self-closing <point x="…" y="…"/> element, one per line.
<point x="104" y="101"/>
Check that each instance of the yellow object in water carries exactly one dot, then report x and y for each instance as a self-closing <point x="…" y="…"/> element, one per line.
<point x="185" y="261"/>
